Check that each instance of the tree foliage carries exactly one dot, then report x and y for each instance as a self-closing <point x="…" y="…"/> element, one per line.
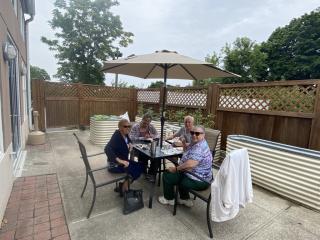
<point x="158" y="84"/>
<point x="215" y="59"/>
<point x="291" y="52"/>
<point x="38" y="73"/>
<point x="294" y="50"/>
<point x="86" y="34"/>
<point x="245" y="58"/>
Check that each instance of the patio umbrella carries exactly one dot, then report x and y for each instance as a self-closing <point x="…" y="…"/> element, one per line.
<point x="165" y="64"/>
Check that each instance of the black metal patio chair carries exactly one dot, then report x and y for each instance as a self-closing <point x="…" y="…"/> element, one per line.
<point x="100" y="176"/>
<point x="205" y="195"/>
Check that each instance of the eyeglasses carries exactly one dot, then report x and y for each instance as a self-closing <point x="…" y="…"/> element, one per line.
<point x="195" y="133"/>
<point x="127" y="126"/>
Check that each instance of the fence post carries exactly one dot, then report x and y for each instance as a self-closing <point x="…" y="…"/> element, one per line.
<point x="38" y="100"/>
<point x="314" y="140"/>
<point x="134" y="104"/>
<point x="213" y="98"/>
<point x="80" y="98"/>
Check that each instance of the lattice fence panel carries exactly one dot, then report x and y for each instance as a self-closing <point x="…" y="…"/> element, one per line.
<point x="298" y="98"/>
<point x="187" y="97"/>
<point x="104" y="92"/>
<point x="61" y="90"/>
<point x="148" y="96"/>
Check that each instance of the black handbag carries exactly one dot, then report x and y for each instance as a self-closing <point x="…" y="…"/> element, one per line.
<point x="133" y="200"/>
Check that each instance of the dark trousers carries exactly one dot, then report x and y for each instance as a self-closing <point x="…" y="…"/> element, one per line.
<point x="143" y="159"/>
<point x="134" y="169"/>
<point x="184" y="183"/>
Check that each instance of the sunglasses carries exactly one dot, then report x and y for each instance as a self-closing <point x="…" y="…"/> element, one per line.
<point x="195" y="133"/>
<point x="127" y="126"/>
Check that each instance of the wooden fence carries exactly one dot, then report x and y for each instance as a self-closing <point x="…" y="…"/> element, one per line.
<point x="61" y="104"/>
<point x="286" y="111"/>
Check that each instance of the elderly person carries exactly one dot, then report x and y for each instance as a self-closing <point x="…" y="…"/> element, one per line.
<point x="142" y="131"/>
<point x="184" y="132"/>
<point x="117" y="151"/>
<point x="198" y="160"/>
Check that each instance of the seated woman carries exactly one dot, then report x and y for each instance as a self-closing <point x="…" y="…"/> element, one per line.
<point x="117" y="151"/>
<point x="184" y="132"/>
<point x="198" y="160"/>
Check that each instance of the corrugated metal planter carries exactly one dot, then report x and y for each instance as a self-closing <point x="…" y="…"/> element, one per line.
<point x="102" y="130"/>
<point x="289" y="171"/>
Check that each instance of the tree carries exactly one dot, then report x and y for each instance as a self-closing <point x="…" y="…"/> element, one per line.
<point x="294" y="50"/>
<point x="215" y="59"/>
<point x="245" y="58"/>
<point x="87" y="33"/>
<point x="158" y="84"/>
<point x="38" y="73"/>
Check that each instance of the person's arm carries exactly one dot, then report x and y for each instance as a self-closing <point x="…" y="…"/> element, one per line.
<point x="186" y="166"/>
<point x="153" y="132"/>
<point x="134" y="133"/>
<point x="109" y="148"/>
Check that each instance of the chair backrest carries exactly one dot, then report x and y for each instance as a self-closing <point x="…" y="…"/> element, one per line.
<point x="212" y="136"/>
<point x="83" y="153"/>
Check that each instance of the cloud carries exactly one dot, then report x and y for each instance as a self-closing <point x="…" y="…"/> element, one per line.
<point x="194" y="28"/>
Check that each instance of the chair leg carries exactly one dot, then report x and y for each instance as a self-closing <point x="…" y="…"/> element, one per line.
<point x="208" y="218"/>
<point x="175" y="201"/>
<point x="93" y="200"/>
<point x="85" y="185"/>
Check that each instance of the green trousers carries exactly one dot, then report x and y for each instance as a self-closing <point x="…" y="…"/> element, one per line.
<point x="184" y="183"/>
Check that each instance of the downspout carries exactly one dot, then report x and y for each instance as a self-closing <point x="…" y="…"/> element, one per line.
<point x="28" y="70"/>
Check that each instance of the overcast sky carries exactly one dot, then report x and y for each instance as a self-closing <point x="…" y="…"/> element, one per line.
<point x="191" y="27"/>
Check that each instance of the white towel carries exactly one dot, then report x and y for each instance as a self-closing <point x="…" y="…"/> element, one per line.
<point x="232" y="187"/>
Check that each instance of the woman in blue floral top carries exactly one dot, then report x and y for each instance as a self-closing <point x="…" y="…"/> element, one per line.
<point x="198" y="160"/>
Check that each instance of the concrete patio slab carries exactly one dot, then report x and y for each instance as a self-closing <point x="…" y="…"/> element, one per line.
<point x="268" y="217"/>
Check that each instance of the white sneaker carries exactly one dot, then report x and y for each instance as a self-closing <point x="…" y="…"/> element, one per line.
<point x="186" y="202"/>
<point x="164" y="201"/>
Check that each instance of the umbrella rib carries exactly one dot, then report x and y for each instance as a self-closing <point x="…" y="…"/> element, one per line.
<point x="194" y="78"/>
<point x="211" y="66"/>
<point x="153" y="67"/>
<point x="106" y="69"/>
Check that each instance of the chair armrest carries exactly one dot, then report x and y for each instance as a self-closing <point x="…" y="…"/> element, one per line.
<point x="97" y="169"/>
<point x="200" y="178"/>
<point x="216" y="166"/>
<point x="93" y="155"/>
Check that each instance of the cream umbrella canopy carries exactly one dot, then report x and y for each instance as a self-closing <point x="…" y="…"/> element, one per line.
<point x="165" y="64"/>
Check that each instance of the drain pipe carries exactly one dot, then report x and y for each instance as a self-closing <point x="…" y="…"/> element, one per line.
<point x="28" y="66"/>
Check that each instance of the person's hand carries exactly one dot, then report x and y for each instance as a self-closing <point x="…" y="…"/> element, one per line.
<point x="183" y="140"/>
<point x="130" y="147"/>
<point x="172" y="169"/>
<point x="147" y="135"/>
<point x="125" y="163"/>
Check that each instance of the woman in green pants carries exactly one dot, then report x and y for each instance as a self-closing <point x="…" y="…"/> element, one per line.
<point x="198" y="160"/>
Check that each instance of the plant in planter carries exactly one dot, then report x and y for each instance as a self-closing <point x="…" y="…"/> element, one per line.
<point x="180" y="114"/>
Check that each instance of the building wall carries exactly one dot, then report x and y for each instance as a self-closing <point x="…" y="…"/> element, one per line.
<point x="6" y="181"/>
<point x="10" y="28"/>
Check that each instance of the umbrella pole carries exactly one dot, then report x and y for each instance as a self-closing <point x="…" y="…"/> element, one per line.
<point x="162" y="119"/>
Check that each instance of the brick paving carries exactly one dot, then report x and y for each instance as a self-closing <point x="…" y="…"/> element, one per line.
<point x="35" y="210"/>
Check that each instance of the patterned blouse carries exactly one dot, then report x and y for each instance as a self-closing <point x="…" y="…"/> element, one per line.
<point x="135" y="133"/>
<point x="200" y="152"/>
